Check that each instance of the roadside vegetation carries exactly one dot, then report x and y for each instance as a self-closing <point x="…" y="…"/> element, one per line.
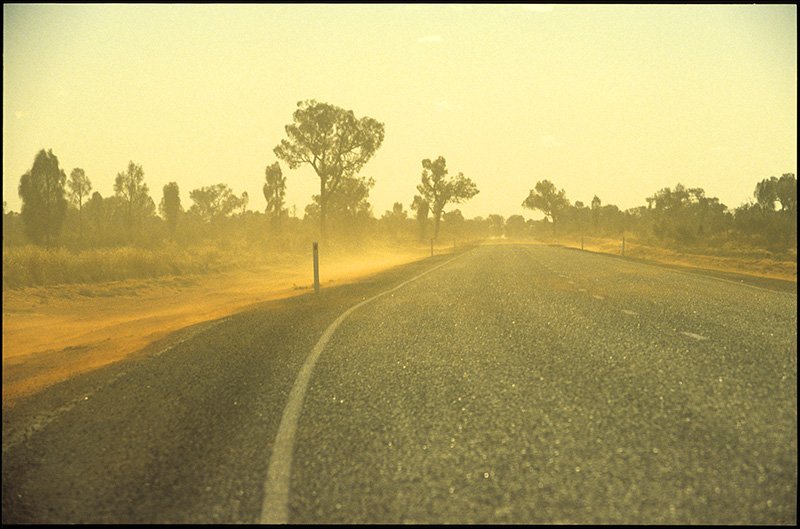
<point x="680" y="225"/>
<point x="65" y="233"/>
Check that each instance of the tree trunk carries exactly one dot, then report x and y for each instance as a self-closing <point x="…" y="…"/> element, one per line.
<point x="278" y="211"/>
<point x="130" y="222"/>
<point x="323" y="202"/>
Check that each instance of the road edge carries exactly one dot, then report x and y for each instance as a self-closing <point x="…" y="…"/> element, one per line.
<point x="768" y="283"/>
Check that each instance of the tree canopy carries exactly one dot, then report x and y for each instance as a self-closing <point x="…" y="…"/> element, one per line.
<point x="395" y="219"/>
<point x="350" y="203"/>
<point x="515" y="226"/>
<point x="43" y="203"/>
<point x="274" y="192"/>
<point x="129" y="186"/>
<point x="79" y="188"/>
<point x="170" y="206"/>
<point x="421" y="209"/>
<point x="782" y="190"/>
<point x="213" y="202"/>
<point x="334" y="143"/>
<point x="547" y="199"/>
<point x="438" y="190"/>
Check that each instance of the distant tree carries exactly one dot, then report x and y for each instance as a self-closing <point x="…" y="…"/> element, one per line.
<point x="95" y="216"/>
<point x="349" y="207"/>
<point x="129" y="186"/>
<point x="786" y="192"/>
<point x="311" y="213"/>
<point x="515" y="226"/>
<point x="496" y="225"/>
<point x="438" y="190"/>
<point x="244" y="200"/>
<point x="334" y="143"/>
<point x="170" y="207"/>
<point x="395" y="219"/>
<point x="596" y="211"/>
<point x="786" y="189"/>
<point x="397" y="212"/>
<point x="453" y="223"/>
<point x="43" y="203"/>
<point x="766" y="193"/>
<point x="213" y="202"/>
<point x="274" y="192"/>
<point x="685" y="214"/>
<point x="548" y="200"/>
<point x="13" y="228"/>
<point x="707" y="214"/>
<point x="580" y="215"/>
<point x="773" y="228"/>
<point x="612" y="219"/>
<point x="421" y="207"/>
<point x="79" y="188"/>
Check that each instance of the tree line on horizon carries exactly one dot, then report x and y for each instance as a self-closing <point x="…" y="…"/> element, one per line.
<point x="682" y="216"/>
<point x="61" y="211"/>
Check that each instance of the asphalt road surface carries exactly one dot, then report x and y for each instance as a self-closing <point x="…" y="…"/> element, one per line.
<point x="503" y="384"/>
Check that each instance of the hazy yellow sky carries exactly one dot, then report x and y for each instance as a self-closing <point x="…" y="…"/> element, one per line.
<point x="618" y="101"/>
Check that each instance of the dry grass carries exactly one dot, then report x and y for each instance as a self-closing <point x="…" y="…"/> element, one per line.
<point x="748" y="261"/>
<point x="34" y="266"/>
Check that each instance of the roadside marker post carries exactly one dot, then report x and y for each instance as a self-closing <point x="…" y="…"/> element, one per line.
<point x="316" y="268"/>
<point x="431" y="247"/>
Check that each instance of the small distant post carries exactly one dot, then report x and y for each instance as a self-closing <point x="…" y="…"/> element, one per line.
<point x="431" y="247"/>
<point x="316" y="268"/>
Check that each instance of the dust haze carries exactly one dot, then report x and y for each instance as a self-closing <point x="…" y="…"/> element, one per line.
<point x="291" y="263"/>
<point x="90" y="277"/>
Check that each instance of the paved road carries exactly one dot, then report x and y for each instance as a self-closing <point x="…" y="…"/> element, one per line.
<point x="511" y="384"/>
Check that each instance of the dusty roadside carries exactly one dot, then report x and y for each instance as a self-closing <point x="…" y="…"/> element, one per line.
<point x="53" y="333"/>
<point x="758" y="269"/>
<point x="766" y="268"/>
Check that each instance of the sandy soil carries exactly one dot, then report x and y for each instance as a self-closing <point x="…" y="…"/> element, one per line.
<point x="51" y="334"/>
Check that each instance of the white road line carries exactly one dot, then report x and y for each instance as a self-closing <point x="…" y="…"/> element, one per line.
<point x="695" y="336"/>
<point x="595" y="296"/>
<point x="632" y="313"/>
<point x="275" y="508"/>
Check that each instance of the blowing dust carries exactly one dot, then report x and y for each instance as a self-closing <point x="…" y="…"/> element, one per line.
<point x="53" y="333"/>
